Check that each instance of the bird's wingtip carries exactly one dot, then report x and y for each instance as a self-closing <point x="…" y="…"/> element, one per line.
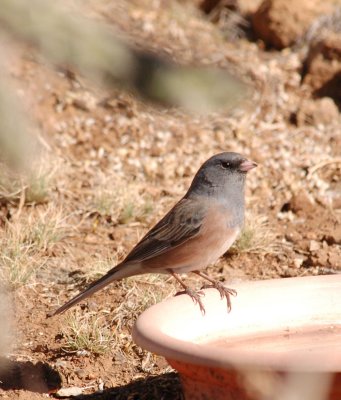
<point x="52" y="313"/>
<point x="49" y="314"/>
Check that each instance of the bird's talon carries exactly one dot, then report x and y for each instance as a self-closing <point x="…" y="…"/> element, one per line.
<point x="224" y="292"/>
<point x="195" y="296"/>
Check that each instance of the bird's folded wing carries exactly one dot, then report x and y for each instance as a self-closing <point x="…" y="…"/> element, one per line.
<point x="183" y="222"/>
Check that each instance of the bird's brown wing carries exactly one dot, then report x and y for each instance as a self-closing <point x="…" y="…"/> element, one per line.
<point x="182" y="223"/>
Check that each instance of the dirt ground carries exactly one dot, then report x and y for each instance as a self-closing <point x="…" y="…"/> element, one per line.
<point x="113" y="165"/>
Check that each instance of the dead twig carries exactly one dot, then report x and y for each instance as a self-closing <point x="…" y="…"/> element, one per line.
<point x="323" y="164"/>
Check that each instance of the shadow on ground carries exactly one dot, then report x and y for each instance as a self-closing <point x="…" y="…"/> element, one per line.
<point x="165" y="387"/>
<point x="25" y="375"/>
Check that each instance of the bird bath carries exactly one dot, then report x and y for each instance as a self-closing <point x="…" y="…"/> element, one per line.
<point x="282" y="335"/>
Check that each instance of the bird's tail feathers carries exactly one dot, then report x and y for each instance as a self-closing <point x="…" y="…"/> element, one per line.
<point x="120" y="271"/>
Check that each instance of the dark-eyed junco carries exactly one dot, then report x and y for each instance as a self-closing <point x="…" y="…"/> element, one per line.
<point x="195" y="233"/>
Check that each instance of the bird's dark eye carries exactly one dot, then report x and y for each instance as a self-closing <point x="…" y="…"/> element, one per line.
<point x="225" y="164"/>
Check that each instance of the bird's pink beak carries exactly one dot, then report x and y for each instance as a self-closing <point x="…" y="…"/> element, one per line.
<point x="246" y="165"/>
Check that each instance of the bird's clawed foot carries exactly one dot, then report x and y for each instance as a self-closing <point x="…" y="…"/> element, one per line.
<point x="195" y="296"/>
<point x="223" y="291"/>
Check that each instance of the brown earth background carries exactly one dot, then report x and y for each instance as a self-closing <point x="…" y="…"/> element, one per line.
<point x="113" y="164"/>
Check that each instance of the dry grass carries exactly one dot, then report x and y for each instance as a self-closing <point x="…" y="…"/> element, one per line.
<point x="99" y="333"/>
<point x="26" y="244"/>
<point x="141" y="292"/>
<point x="95" y="269"/>
<point x="6" y="332"/>
<point x="257" y="237"/>
<point x="87" y="332"/>
<point x="33" y="187"/>
<point x="123" y="202"/>
<point x="38" y="187"/>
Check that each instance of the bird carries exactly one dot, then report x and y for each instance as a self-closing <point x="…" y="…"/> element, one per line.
<point x="198" y="230"/>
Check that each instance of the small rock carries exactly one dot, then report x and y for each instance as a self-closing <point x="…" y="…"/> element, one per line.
<point x="317" y="112"/>
<point x="310" y="235"/>
<point x="293" y="237"/>
<point x="323" y="65"/>
<point x="69" y="392"/>
<point x="60" y="364"/>
<point x="280" y="23"/>
<point x="321" y="258"/>
<point x="334" y="236"/>
<point x="286" y="216"/>
<point x="91" y="239"/>
<point x="336" y="202"/>
<point x="334" y="257"/>
<point x="83" y="353"/>
<point x="80" y="373"/>
<point x="248" y="6"/>
<point x="301" y="201"/>
<point x="81" y="100"/>
<point x="101" y="386"/>
<point x="298" y="262"/>
<point x="314" y="245"/>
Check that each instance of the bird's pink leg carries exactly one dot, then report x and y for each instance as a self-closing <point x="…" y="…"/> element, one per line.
<point x="223" y="291"/>
<point x="195" y="296"/>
